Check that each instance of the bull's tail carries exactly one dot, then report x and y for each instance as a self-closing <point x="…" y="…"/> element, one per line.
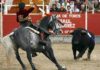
<point x="8" y="45"/>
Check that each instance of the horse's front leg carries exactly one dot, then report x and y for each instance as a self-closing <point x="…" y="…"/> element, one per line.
<point x="19" y="59"/>
<point x="30" y="59"/>
<point x="50" y="54"/>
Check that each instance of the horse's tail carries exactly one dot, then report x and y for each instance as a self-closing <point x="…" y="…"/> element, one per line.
<point x="9" y="47"/>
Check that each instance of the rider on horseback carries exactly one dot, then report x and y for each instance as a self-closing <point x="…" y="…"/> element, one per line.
<point x="23" y="17"/>
<point x="24" y="20"/>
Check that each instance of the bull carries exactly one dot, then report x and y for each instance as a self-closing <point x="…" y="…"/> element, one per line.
<point x="81" y="41"/>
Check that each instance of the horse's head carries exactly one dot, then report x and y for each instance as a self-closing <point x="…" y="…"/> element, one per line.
<point x="54" y="24"/>
<point x="51" y="22"/>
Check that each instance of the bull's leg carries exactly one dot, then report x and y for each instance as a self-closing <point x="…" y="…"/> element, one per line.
<point x="81" y="52"/>
<point x="19" y="59"/>
<point x="49" y="53"/>
<point x="30" y="59"/>
<point x="89" y="52"/>
<point x="74" y="52"/>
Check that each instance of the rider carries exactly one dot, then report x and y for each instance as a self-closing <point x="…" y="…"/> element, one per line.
<point x="23" y="14"/>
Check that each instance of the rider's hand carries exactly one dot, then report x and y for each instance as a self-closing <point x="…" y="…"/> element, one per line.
<point x="51" y="32"/>
<point x="29" y="19"/>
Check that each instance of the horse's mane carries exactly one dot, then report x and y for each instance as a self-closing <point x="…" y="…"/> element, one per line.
<point x="45" y="20"/>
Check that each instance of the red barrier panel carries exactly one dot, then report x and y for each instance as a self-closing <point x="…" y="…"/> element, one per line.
<point x="9" y="23"/>
<point x="94" y="23"/>
<point x="71" y="21"/>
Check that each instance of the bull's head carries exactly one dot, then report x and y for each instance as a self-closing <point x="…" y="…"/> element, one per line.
<point x="77" y="35"/>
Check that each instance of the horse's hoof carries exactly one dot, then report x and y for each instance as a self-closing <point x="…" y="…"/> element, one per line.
<point x="24" y="68"/>
<point x="35" y="69"/>
<point x="62" y="68"/>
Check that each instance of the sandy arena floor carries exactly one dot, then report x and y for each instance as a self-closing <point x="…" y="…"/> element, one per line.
<point x="63" y="54"/>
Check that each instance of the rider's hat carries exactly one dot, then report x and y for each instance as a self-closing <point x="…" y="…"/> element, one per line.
<point x="21" y="5"/>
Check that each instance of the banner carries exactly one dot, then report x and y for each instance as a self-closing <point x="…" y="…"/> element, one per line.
<point x="71" y="21"/>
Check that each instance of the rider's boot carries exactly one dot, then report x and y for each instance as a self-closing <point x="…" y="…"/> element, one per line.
<point x="42" y="41"/>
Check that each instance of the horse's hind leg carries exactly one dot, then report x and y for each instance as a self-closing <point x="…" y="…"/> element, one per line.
<point x="49" y="53"/>
<point x="30" y="59"/>
<point x="19" y="59"/>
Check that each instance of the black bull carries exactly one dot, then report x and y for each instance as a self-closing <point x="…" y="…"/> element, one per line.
<point x="82" y="40"/>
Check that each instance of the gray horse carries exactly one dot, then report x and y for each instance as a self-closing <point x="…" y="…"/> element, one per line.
<point x="28" y="40"/>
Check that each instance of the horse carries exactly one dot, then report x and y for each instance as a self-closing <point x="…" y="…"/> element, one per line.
<point x="27" y="39"/>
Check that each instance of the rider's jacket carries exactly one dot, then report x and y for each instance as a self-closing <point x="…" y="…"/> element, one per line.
<point x="24" y="13"/>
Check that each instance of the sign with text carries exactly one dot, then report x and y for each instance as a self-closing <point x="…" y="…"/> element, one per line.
<point x="71" y="21"/>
